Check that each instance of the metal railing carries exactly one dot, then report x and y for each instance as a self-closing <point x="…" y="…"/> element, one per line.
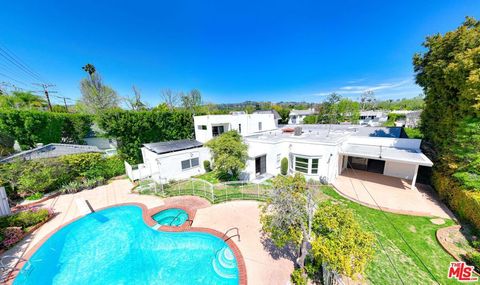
<point x="215" y="193"/>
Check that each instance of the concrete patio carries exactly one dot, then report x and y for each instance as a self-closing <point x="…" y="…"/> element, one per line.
<point x="390" y="193"/>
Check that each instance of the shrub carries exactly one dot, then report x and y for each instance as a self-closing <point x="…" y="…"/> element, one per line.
<point x="473" y="258"/>
<point x="229" y="154"/>
<point x="80" y="163"/>
<point x="35" y="196"/>
<point x="12" y="235"/>
<point x="284" y="166"/>
<point x="206" y="165"/>
<point x="42" y="176"/>
<point x="28" y="218"/>
<point x="72" y="187"/>
<point x="298" y="278"/>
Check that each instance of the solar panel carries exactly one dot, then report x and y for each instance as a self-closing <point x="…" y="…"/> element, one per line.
<point x="172" y="146"/>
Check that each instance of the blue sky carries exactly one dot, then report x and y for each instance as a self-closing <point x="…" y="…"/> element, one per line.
<point x="230" y="50"/>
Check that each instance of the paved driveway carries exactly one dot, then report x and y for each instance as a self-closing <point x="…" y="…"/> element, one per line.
<point x="390" y="193"/>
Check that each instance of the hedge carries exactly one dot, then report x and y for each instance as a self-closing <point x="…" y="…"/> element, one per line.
<point x="134" y="128"/>
<point x="25" y="178"/>
<point x="465" y="203"/>
<point x="30" y="127"/>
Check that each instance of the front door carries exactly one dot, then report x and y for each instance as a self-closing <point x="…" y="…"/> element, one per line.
<point x="260" y="165"/>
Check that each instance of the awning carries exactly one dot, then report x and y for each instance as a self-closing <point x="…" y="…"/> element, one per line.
<point x="409" y="156"/>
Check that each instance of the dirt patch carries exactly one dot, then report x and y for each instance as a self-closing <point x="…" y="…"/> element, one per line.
<point x="412" y="228"/>
<point x="454" y="240"/>
<point x="437" y="221"/>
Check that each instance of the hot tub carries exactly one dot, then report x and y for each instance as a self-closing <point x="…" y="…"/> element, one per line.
<point x="173" y="217"/>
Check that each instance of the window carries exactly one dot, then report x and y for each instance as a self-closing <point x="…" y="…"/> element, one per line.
<point x="239" y="128"/>
<point x="259" y="126"/>
<point x="314" y="166"/>
<point x="217" y="130"/>
<point x="279" y="158"/>
<point x="306" y="165"/>
<point x="301" y="164"/>
<point x="202" y="127"/>
<point x="190" y="163"/>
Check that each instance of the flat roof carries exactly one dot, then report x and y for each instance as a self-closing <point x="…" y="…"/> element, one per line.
<point x="411" y="156"/>
<point x="329" y="134"/>
<point x="172" y="146"/>
<point x="51" y="150"/>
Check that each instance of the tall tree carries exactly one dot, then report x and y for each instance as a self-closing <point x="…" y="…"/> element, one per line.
<point x="135" y="103"/>
<point x="22" y="100"/>
<point x="229" y="154"/>
<point x="170" y="98"/>
<point x="367" y="100"/>
<point x="449" y="73"/>
<point x="97" y="96"/>
<point x="192" y="100"/>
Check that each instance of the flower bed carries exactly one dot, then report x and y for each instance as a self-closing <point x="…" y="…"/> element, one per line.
<point x="15" y="227"/>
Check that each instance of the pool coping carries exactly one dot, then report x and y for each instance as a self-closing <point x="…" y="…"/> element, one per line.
<point x="147" y="218"/>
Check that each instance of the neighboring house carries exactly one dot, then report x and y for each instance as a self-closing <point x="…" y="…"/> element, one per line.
<point x="50" y="151"/>
<point x="209" y="126"/>
<point x="97" y="137"/>
<point x="412" y="119"/>
<point x="276" y="115"/>
<point x="373" y="118"/>
<point x="320" y="152"/>
<point x="296" y="116"/>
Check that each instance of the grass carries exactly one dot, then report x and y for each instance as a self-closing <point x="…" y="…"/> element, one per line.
<point x="209" y="176"/>
<point x="419" y="232"/>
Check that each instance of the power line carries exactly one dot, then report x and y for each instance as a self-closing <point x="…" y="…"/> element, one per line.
<point x="394" y="227"/>
<point x="377" y="236"/>
<point x="11" y="78"/>
<point x="18" y="63"/>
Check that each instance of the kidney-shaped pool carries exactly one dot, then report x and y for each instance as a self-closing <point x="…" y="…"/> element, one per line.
<point x="115" y="246"/>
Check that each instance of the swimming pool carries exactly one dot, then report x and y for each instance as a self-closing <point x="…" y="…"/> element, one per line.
<point x="115" y="246"/>
<point x="174" y="217"/>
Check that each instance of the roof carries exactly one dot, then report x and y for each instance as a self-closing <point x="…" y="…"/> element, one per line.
<point x="302" y="112"/>
<point x="172" y="146"/>
<point x="412" y="156"/>
<point x="50" y="151"/>
<point x="276" y="115"/>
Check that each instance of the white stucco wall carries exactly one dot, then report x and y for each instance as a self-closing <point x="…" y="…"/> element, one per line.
<point x="167" y="167"/>
<point x="401" y="170"/>
<point x="387" y="142"/>
<point x="248" y="122"/>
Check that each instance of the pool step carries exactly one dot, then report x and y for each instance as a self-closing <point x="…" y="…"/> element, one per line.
<point x="225" y="264"/>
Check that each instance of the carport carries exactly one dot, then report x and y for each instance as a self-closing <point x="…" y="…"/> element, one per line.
<point x="390" y="161"/>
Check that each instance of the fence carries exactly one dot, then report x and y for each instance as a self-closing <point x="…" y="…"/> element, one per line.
<point x="215" y="193"/>
<point x="331" y="277"/>
<point x="4" y="206"/>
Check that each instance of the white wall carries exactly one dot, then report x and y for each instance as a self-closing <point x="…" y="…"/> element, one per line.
<point x="400" y="170"/>
<point x="248" y="122"/>
<point x="166" y="167"/>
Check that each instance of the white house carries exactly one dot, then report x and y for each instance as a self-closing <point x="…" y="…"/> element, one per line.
<point x="320" y="152"/>
<point x="296" y="116"/>
<point x="209" y="126"/>
<point x="373" y="118"/>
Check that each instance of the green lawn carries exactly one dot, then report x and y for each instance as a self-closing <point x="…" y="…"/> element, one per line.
<point x="419" y="232"/>
<point x="209" y="176"/>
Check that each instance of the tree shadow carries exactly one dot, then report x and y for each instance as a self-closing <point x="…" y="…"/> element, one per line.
<point x="287" y="252"/>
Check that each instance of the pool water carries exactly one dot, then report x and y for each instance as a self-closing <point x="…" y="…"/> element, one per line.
<point x="171" y="217"/>
<point x="115" y="246"/>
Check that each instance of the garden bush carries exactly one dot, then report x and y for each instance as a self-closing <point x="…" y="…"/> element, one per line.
<point x="284" y="166"/>
<point x="42" y="176"/>
<point x="11" y="235"/>
<point x="297" y="277"/>
<point x="80" y="163"/>
<point x="473" y="258"/>
<point x="207" y="166"/>
<point x="35" y="196"/>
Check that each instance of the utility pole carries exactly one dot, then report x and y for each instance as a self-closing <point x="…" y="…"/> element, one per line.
<point x="45" y="91"/>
